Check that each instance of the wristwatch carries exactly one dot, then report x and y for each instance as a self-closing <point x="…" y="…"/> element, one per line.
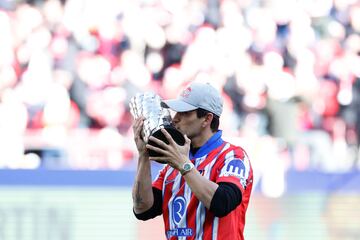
<point x="186" y="167"/>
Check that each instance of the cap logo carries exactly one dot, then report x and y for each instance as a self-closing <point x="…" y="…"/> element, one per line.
<point x="186" y="92"/>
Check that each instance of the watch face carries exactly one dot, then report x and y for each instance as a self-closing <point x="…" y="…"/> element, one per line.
<point x="187" y="166"/>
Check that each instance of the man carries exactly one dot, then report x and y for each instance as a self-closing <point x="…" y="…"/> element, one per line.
<point x="204" y="190"/>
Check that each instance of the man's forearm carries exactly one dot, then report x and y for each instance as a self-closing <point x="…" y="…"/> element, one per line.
<point x="142" y="189"/>
<point x="203" y="189"/>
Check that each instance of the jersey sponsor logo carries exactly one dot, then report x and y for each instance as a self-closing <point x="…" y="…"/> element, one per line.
<point x="178" y="209"/>
<point x="180" y="232"/>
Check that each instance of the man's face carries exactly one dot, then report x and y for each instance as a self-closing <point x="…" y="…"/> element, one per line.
<point x="188" y="123"/>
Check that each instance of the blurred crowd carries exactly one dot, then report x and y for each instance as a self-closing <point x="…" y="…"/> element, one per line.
<point x="289" y="72"/>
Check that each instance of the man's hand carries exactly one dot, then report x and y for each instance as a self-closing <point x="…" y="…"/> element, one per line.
<point x="173" y="154"/>
<point x="139" y="141"/>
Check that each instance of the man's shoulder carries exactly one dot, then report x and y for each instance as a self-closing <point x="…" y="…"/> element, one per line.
<point x="234" y="149"/>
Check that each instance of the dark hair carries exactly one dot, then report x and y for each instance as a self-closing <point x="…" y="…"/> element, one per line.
<point x="214" y="125"/>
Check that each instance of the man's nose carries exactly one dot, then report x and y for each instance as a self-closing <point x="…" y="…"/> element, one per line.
<point x="176" y="118"/>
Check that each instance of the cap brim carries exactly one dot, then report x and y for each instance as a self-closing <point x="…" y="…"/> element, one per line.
<point x="178" y="105"/>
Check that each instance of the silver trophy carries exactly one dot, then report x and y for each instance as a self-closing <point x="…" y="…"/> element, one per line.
<point x="148" y="105"/>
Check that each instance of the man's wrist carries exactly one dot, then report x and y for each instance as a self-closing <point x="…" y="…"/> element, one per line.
<point x="143" y="157"/>
<point x="186" y="167"/>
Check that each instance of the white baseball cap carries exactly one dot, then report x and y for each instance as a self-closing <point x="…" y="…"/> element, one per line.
<point x="194" y="96"/>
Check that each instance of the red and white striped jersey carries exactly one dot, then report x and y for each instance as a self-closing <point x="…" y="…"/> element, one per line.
<point x="185" y="217"/>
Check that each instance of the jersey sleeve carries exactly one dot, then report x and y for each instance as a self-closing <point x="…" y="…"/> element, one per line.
<point x="235" y="169"/>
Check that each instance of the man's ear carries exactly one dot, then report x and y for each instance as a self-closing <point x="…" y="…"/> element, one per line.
<point x="208" y="119"/>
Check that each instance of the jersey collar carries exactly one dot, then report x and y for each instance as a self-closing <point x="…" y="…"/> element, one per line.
<point x="213" y="142"/>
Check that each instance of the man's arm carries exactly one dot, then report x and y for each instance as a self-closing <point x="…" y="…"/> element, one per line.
<point x="226" y="198"/>
<point x="203" y="188"/>
<point x="142" y="193"/>
<point x="156" y="208"/>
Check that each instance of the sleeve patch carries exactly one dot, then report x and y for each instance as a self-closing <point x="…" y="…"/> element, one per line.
<point x="235" y="168"/>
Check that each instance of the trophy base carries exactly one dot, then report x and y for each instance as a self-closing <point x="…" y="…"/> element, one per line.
<point x="174" y="133"/>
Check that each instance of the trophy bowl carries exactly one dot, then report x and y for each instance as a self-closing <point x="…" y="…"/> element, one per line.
<point x="156" y="117"/>
<point x="174" y="133"/>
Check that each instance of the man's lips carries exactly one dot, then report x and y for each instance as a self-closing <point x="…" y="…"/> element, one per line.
<point x="177" y="128"/>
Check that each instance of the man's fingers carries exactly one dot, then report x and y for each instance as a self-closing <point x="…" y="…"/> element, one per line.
<point x="159" y="159"/>
<point x="158" y="142"/>
<point x="187" y="140"/>
<point x="138" y="126"/>
<point x="168" y="136"/>
<point x="156" y="149"/>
